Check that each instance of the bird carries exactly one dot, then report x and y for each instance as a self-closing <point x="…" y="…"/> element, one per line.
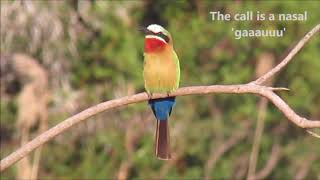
<point x="161" y="73"/>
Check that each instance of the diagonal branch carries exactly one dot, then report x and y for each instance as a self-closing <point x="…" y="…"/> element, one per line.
<point x="116" y="103"/>
<point x="251" y="88"/>
<point x="289" y="57"/>
<point x="216" y="154"/>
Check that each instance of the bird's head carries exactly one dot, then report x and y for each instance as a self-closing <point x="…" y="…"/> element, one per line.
<point x="156" y="37"/>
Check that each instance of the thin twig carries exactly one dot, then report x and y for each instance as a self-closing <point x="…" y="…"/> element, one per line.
<point x="313" y="133"/>
<point x="251" y="88"/>
<point x="278" y="89"/>
<point x="270" y="165"/>
<point x="216" y="154"/>
<point x="302" y="173"/>
<point x="257" y="137"/>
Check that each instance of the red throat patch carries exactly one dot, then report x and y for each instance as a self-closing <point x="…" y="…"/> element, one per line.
<point x="153" y="44"/>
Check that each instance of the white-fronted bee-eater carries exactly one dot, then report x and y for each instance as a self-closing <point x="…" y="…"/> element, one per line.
<point x="161" y="74"/>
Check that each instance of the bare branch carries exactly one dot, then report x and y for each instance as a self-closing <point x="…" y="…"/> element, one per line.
<point x="270" y="165"/>
<point x="251" y="88"/>
<point x="262" y="107"/>
<point x="302" y="173"/>
<point x="287" y="59"/>
<point x="216" y="154"/>
<point x="231" y="89"/>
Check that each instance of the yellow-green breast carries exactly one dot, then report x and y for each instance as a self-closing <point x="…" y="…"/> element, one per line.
<point x="161" y="71"/>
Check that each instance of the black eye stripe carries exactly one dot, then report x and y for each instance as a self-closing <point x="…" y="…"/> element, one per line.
<point x="163" y="36"/>
<point x="159" y="34"/>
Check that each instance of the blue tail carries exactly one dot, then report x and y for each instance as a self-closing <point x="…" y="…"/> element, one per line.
<point x="162" y="107"/>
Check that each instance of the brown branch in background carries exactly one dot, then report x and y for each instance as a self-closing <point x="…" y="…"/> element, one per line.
<point x="305" y="167"/>
<point x="270" y="165"/>
<point x="251" y="88"/>
<point x="85" y="23"/>
<point x="274" y="156"/>
<point x="37" y="154"/>
<point x="240" y="166"/>
<point x="169" y="164"/>
<point x="216" y="154"/>
<point x="32" y="106"/>
<point x="242" y="163"/>
<point x="264" y="63"/>
<point x="130" y="141"/>
<point x="133" y="133"/>
<point x="262" y="107"/>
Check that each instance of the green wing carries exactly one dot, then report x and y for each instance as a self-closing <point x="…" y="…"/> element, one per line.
<point x="176" y="61"/>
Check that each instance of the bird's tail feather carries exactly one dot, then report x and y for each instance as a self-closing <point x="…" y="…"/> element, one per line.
<point x="162" y="144"/>
<point x="162" y="109"/>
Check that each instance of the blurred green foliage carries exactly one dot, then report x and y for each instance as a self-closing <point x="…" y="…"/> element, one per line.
<point x="109" y="65"/>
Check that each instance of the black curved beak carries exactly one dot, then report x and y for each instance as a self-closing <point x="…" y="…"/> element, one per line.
<point x="144" y="30"/>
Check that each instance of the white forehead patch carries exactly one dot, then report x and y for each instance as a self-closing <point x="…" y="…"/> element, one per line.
<point x="155" y="28"/>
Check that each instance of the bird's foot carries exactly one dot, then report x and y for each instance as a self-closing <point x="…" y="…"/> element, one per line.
<point x="168" y="94"/>
<point x="149" y="95"/>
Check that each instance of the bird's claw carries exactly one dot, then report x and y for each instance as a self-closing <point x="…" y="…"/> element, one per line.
<point x="149" y="95"/>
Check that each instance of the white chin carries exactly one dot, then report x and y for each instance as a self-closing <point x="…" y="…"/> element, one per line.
<point x="155" y="37"/>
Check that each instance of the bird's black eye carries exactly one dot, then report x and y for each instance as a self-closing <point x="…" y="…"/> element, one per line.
<point x="163" y="36"/>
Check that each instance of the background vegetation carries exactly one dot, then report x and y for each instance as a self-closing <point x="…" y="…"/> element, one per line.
<point x="93" y="52"/>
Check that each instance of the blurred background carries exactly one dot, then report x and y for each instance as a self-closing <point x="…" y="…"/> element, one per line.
<point x="61" y="57"/>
